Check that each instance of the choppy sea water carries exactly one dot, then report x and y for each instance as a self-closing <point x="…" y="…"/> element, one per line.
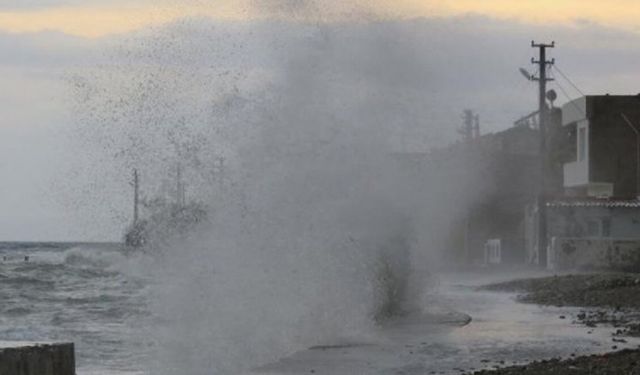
<point x="95" y="296"/>
<point x="81" y="293"/>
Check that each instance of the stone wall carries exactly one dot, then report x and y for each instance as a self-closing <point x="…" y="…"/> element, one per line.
<point x="36" y="359"/>
<point x="594" y="253"/>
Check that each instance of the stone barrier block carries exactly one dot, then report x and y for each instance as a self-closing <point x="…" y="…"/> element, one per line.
<point x="21" y="358"/>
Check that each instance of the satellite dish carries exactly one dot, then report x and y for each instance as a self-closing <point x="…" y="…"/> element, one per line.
<point x="552" y="96"/>
<point x="525" y="73"/>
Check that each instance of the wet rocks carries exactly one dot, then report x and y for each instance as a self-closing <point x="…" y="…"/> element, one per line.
<point x="622" y="362"/>
<point x="610" y="290"/>
<point x="612" y="299"/>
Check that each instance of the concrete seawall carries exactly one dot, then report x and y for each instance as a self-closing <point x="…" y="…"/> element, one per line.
<point x="20" y="358"/>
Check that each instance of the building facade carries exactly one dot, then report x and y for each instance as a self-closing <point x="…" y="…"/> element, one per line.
<point x="596" y="222"/>
<point x="605" y="131"/>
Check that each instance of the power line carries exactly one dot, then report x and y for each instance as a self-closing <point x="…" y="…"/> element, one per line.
<point x="571" y="100"/>
<point x="555" y="67"/>
<point x="573" y="103"/>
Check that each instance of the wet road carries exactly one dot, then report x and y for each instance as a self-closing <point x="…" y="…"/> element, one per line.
<point x="503" y="332"/>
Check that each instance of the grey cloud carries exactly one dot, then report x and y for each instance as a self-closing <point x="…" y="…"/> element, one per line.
<point x="430" y="69"/>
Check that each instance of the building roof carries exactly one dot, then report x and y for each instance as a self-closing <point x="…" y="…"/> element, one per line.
<point x="604" y="203"/>
<point x="586" y="107"/>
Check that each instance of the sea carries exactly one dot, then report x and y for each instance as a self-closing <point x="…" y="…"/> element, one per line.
<point x="97" y="296"/>
<point x="77" y="292"/>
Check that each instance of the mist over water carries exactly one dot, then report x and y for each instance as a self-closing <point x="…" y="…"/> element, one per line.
<point x="318" y="228"/>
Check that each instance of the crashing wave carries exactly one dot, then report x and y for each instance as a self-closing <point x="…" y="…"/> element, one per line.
<point x="166" y="221"/>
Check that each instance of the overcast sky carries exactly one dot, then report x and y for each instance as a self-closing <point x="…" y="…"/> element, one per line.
<point x="452" y="54"/>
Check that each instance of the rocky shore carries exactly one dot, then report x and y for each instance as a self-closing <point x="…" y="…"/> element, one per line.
<point x="611" y="299"/>
<point x="601" y="290"/>
<point x="625" y="362"/>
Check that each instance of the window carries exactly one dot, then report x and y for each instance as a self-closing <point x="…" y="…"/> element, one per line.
<point x="592" y="228"/>
<point x="582" y="144"/>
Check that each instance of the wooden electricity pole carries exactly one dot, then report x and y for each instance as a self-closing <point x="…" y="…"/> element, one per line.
<point x="544" y="115"/>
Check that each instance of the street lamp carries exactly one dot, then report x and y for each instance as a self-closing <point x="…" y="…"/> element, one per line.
<point x="525" y="73"/>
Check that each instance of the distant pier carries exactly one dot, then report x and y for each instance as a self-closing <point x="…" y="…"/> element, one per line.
<point x="29" y="358"/>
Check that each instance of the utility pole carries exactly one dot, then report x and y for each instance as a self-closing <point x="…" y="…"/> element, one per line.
<point x="180" y="189"/>
<point x="221" y="176"/>
<point x="468" y="130"/>
<point x="136" y="196"/>
<point x="542" y="124"/>
<point x="635" y="130"/>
